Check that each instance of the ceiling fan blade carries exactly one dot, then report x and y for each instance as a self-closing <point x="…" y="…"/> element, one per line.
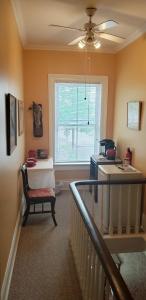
<point x="106" y="25"/>
<point x="75" y="41"/>
<point x="65" y="27"/>
<point x="111" y="37"/>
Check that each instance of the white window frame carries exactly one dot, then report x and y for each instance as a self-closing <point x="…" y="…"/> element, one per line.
<point x="54" y="78"/>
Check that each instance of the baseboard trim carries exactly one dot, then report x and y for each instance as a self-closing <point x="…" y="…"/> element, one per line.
<point x="11" y="259"/>
<point x="64" y="185"/>
<point x="144" y="222"/>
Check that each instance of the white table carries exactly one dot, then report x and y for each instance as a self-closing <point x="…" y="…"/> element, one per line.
<point x="42" y="174"/>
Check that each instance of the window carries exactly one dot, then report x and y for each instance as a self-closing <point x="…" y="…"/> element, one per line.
<point x="76" y="114"/>
<point x="77" y="110"/>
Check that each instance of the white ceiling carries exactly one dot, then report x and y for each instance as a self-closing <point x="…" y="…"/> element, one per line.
<point x="33" y="17"/>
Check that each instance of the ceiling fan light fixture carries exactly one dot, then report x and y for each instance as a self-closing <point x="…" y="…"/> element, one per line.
<point x="81" y="44"/>
<point x="91" y="31"/>
<point x="97" y="44"/>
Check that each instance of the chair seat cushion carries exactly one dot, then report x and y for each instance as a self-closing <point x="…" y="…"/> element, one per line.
<point x="43" y="192"/>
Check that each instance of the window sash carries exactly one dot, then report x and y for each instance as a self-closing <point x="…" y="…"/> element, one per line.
<point x="76" y="126"/>
<point x="54" y="78"/>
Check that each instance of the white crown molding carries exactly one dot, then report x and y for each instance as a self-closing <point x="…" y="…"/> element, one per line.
<point x="21" y="28"/>
<point x="128" y="41"/>
<point x="19" y="21"/>
<point x="66" y="48"/>
<point x="138" y="33"/>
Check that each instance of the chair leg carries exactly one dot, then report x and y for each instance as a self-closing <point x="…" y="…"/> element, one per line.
<point x="54" y="220"/>
<point x="53" y="211"/>
<point x="25" y="217"/>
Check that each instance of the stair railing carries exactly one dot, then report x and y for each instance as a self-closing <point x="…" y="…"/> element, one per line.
<point x="98" y="274"/>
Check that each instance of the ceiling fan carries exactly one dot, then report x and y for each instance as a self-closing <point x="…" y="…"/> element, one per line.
<point x="93" y="32"/>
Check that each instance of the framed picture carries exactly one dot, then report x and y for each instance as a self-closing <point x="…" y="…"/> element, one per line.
<point x="134" y="114"/>
<point x="20" y="117"/>
<point x="11" y="123"/>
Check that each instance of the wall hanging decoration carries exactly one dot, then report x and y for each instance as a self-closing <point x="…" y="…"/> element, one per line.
<point x="134" y="114"/>
<point x="20" y="117"/>
<point x="11" y="123"/>
<point x="37" y="119"/>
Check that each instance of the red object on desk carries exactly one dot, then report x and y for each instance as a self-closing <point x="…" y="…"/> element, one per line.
<point x="32" y="154"/>
<point x="32" y="159"/>
<point x="128" y="156"/>
<point x="111" y="154"/>
<point x="31" y="162"/>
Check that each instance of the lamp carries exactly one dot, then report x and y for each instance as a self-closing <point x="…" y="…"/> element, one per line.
<point x="95" y="43"/>
<point x="81" y="44"/>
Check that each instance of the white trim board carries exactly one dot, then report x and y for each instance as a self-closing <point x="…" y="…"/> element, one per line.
<point x="84" y="78"/>
<point x="69" y="166"/>
<point x="64" y="185"/>
<point x="11" y="260"/>
<point x="19" y="20"/>
<point x="144" y="222"/>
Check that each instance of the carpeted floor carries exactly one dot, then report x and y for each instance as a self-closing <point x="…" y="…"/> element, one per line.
<point x="44" y="267"/>
<point x="133" y="270"/>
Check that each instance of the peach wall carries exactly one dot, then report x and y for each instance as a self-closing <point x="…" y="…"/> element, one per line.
<point x="11" y="81"/>
<point x="39" y="64"/>
<point x="131" y="85"/>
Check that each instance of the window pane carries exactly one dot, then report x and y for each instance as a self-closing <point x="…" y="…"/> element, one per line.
<point x="76" y="117"/>
<point x="66" y="144"/>
<point x="66" y="103"/>
<point x="85" y="146"/>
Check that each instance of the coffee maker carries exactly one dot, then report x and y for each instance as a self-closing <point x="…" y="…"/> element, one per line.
<point x="109" y="149"/>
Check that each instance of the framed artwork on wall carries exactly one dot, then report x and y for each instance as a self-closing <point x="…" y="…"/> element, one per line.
<point x="20" y="117"/>
<point x="134" y="114"/>
<point x="11" y="123"/>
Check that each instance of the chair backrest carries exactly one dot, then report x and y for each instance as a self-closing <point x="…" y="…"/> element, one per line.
<point x="25" y="180"/>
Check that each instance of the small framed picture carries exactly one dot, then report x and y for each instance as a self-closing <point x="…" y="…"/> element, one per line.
<point x="11" y="123"/>
<point x="134" y="114"/>
<point x="20" y="117"/>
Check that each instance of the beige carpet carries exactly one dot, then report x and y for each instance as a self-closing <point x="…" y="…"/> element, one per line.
<point x="133" y="270"/>
<point x="44" y="267"/>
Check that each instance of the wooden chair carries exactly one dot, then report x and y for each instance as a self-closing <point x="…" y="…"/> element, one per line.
<point x="37" y="196"/>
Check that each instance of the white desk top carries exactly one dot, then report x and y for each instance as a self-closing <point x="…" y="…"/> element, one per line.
<point x="42" y="164"/>
<point x="115" y="169"/>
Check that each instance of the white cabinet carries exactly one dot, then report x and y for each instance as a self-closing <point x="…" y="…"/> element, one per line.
<point x="119" y="205"/>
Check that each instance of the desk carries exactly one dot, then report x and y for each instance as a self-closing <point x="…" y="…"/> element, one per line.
<point x="95" y="161"/>
<point x="42" y="174"/>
